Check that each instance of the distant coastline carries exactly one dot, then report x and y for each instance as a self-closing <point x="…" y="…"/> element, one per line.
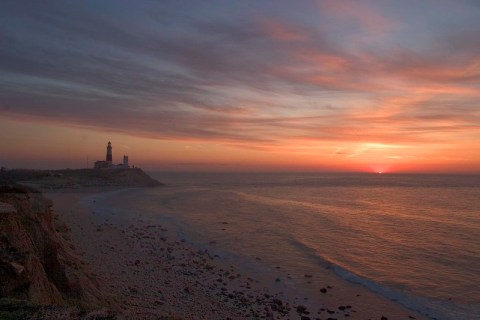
<point x="79" y="178"/>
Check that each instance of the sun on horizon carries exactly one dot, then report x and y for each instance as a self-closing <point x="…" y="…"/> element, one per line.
<point x="323" y="85"/>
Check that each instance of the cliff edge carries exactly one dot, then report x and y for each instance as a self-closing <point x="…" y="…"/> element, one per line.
<point x="37" y="266"/>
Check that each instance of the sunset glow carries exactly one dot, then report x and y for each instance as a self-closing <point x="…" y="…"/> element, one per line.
<point x="379" y="87"/>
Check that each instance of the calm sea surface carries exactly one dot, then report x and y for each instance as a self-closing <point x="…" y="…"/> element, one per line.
<point x="412" y="238"/>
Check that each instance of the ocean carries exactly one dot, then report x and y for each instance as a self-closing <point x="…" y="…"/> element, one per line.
<point x="414" y="239"/>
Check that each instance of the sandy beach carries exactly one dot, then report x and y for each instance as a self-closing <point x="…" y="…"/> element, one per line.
<point x="151" y="272"/>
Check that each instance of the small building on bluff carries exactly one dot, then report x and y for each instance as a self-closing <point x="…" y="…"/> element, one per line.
<point x="108" y="162"/>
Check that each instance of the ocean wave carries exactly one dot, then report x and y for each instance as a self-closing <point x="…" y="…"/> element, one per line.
<point x="442" y="309"/>
<point x="434" y="309"/>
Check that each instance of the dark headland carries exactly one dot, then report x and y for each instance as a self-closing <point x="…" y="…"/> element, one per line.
<point x="79" y="178"/>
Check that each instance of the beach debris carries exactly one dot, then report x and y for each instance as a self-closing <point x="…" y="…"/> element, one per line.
<point x="301" y="309"/>
<point x="18" y="268"/>
<point x="185" y="273"/>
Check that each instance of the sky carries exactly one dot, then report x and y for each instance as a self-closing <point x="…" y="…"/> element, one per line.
<point x="332" y="85"/>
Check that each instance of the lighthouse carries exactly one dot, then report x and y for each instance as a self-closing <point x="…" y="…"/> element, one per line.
<point x="109" y="153"/>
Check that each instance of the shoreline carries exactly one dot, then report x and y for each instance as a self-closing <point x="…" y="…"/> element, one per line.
<point x="151" y="271"/>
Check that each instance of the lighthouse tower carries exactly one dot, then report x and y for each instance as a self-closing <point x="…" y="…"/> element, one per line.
<point x="109" y="153"/>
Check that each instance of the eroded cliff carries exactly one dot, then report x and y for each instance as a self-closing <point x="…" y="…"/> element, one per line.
<point x="36" y="263"/>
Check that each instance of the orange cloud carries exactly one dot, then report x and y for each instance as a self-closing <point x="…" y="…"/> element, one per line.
<point x="304" y="90"/>
<point x="364" y="15"/>
<point x="282" y="31"/>
<point x="326" y="61"/>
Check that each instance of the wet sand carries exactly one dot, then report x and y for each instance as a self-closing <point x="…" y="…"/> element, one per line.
<point x="150" y="272"/>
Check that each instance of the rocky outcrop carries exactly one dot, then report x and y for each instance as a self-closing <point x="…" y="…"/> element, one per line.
<point x="36" y="263"/>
